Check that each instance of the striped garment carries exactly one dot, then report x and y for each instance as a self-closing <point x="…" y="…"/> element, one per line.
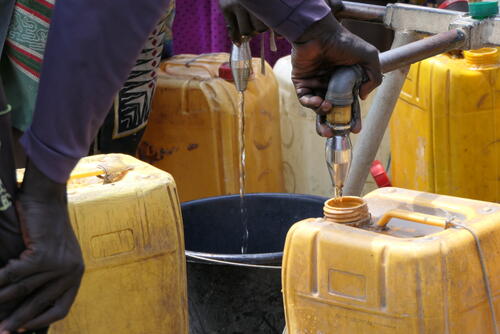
<point x="22" y="56"/>
<point x="21" y="65"/>
<point x="125" y="124"/>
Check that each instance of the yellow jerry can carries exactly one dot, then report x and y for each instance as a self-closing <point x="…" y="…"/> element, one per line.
<point x="131" y="235"/>
<point x="421" y="273"/>
<point x="193" y="128"/>
<point x="445" y="135"/>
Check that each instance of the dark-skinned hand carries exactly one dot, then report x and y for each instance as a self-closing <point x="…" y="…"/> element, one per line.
<point x="46" y="276"/>
<point x="316" y="54"/>
<point x="10" y="235"/>
<point x="240" y="22"/>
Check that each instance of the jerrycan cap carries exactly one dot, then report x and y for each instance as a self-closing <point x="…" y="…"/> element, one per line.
<point x="484" y="56"/>
<point x="482" y="10"/>
<point x="347" y="210"/>
<point x="225" y="72"/>
<point x="379" y="174"/>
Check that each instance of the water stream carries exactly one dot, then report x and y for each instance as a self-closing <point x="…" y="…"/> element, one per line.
<point x="241" y="141"/>
<point x="337" y="192"/>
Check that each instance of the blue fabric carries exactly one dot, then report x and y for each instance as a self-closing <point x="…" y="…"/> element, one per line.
<point x="91" y="48"/>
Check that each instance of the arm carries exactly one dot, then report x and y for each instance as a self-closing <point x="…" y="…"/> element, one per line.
<point x="289" y="18"/>
<point x="320" y="44"/>
<point x="91" y="48"/>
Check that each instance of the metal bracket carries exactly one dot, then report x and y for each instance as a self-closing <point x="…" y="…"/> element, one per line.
<point x="430" y="21"/>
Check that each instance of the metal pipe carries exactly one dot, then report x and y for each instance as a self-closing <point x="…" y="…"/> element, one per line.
<point x="422" y="49"/>
<point x="376" y="121"/>
<point x="430" y="21"/>
<point x="425" y="20"/>
<point x="362" y="12"/>
<point x="342" y="82"/>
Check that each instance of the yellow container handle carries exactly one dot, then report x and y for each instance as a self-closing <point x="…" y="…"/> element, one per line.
<point x="110" y="171"/>
<point x="415" y="217"/>
<point x="82" y="175"/>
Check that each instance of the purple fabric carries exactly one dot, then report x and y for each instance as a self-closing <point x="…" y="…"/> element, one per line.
<point x="199" y="27"/>
<point x="289" y="18"/>
<point x="91" y="48"/>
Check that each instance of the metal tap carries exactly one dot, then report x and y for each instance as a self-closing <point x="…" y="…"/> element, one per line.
<point x="241" y="64"/>
<point x="343" y="95"/>
<point x="338" y="159"/>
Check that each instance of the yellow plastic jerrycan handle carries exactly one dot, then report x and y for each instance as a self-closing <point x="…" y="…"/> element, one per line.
<point x="110" y="171"/>
<point x="415" y="217"/>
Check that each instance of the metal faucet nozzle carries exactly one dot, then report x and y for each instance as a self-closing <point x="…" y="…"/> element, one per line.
<point x="241" y="64"/>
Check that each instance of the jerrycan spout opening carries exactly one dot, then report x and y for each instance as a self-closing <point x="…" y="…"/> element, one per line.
<point x="347" y="210"/>
<point x="483" y="57"/>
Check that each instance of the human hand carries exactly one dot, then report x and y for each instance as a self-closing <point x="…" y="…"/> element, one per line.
<point x="240" y="22"/>
<point x="46" y="277"/>
<point x="316" y="54"/>
<point x="11" y="240"/>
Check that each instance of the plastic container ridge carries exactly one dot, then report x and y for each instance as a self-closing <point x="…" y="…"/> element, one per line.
<point x="415" y="270"/>
<point x="445" y="135"/>
<point x="131" y="236"/>
<point x="193" y="128"/>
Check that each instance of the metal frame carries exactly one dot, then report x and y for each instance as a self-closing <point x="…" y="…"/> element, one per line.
<point x="451" y="29"/>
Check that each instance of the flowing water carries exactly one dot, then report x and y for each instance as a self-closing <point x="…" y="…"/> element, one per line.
<point x="241" y="140"/>
<point x="337" y="192"/>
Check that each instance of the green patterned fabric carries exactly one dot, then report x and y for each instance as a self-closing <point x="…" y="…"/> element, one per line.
<point x="21" y="63"/>
<point x="5" y="111"/>
<point x="22" y="57"/>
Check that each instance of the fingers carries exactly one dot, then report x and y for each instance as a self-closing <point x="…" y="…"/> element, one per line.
<point x="15" y="271"/>
<point x="372" y="70"/>
<point x="356" y="127"/>
<point x="36" y="305"/>
<point x="374" y="80"/>
<point x="316" y="103"/>
<point x="311" y="94"/>
<point x="53" y="314"/>
<point x="257" y="24"/>
<point x="23" y="288"/>
<point x="239" y="21"/>
<point x="322" y="128"/>
<point x="232" y="26"/>
<point x="244" y="23"/>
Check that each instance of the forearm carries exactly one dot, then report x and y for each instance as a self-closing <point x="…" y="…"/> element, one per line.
<point x="290" y="18"/>
<point x="91" y="48"/>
